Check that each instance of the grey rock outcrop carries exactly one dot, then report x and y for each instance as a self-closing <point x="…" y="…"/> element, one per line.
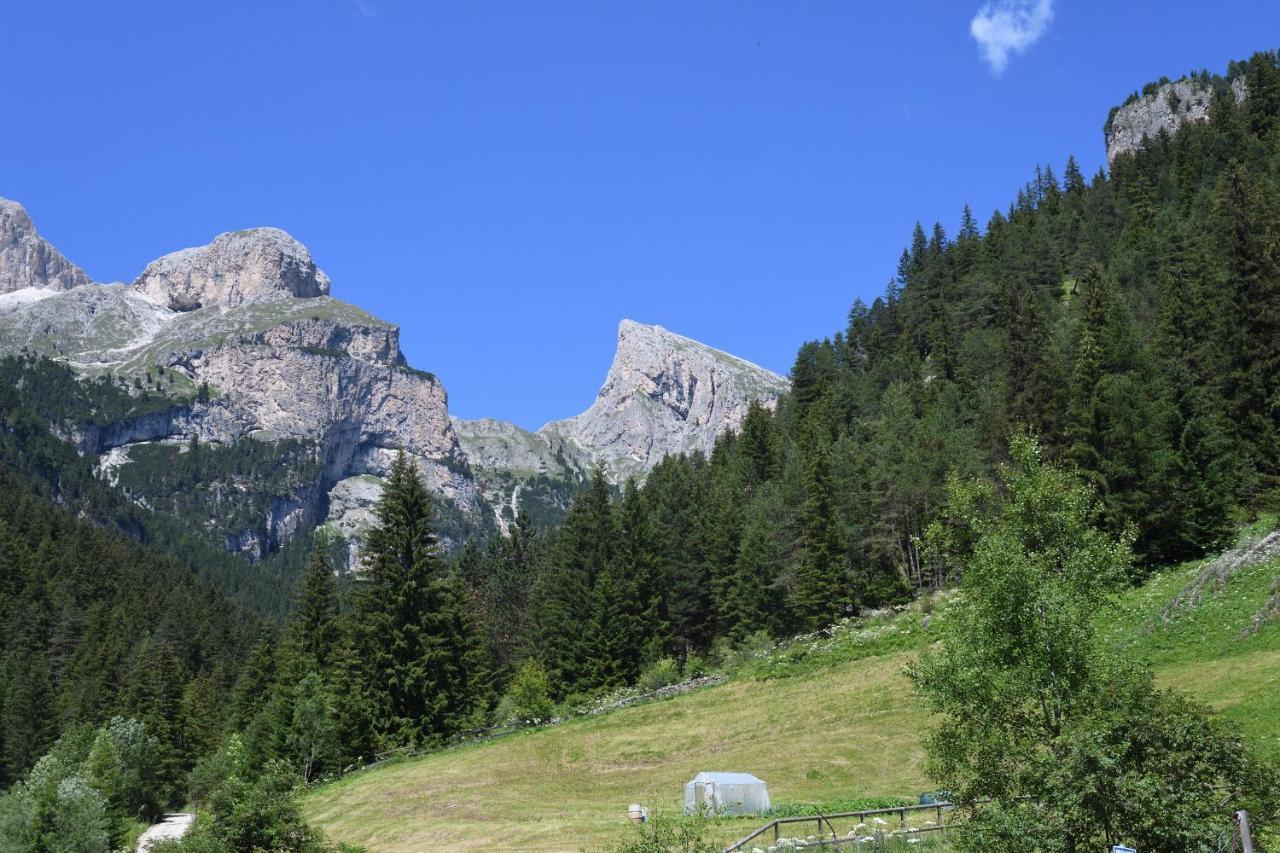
<point x="492" y="445"/>
<point x="664" y="394"/>
<point x="237" y="267"/>
<point x="27" y="260"/>
<point x="247" y="322"/>
<point x="1165" y="110"/>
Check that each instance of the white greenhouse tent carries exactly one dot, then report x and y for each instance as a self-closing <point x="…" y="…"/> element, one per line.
<point x="726" y="793"/>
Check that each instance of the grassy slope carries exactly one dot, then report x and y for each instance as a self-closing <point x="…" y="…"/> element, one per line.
<point x="832" y="719"/>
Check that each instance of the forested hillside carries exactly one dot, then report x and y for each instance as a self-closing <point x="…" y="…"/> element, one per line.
<point x="182" y="505"/>
<point x="94" y="626"/>
<point x="1131" y="321"/>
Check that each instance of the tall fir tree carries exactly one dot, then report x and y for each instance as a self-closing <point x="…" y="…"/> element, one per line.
<point x="313" y="628"/>
<point x="820" y="591"/>
<point x="413" y="629"/>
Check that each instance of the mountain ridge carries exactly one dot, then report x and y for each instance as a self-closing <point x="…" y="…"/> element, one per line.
<point x="244" y="335"/>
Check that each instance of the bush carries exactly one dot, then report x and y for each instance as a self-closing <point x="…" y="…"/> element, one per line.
<point x="210" y="772"/>
<point x="528" y="699"/>
<point x="659" y="674"/>
<point x="254" y="814"/>
<point x="696" y="666"/>
<point x="733" y="657"/>
<point x="667" y="834"/>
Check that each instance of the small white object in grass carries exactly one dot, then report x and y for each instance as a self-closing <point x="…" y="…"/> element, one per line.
<point x="878" y="821"/>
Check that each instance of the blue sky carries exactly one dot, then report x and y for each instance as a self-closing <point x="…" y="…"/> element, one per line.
<point x="507" y="180"/>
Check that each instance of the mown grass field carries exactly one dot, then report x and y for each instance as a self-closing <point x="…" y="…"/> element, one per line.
<point x="826" y="720"/>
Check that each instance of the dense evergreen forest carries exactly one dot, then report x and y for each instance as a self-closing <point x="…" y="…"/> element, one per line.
<point x="1130" y="322"/>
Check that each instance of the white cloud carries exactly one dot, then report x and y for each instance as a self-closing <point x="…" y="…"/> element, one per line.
<point x="1004" y="27"/>
<point x="366" y="9"/>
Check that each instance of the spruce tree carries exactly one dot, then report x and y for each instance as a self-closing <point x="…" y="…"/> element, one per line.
<point x="313" y="628"/>
<point x="820" y="593"/>
<point x="751" y="603"/>
<point x="413" y="628"/>
<point x="1245" y="221"/>
<point x="568" y="637"/>
<point x="639" y="563"/>
<point x="1082" y="409"/>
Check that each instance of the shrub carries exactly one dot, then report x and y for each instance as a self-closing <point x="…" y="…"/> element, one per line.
<point x="660" y="673"/>
<point x="528" y="699"/>
<point x="666" y="834"/>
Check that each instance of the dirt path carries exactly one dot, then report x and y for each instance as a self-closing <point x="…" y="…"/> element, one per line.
<point x="172" y="826"/>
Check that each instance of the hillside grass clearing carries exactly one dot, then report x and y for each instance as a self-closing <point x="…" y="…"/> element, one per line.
<point x="829" y="719"/>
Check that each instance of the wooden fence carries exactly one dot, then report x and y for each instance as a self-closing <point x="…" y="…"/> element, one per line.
<point x="775" y="825"/>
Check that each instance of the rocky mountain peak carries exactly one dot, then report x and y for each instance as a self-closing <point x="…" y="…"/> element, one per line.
<point x="27" y="259"/>
<point x="665" y="394"/>
<point x="254" y="265"/>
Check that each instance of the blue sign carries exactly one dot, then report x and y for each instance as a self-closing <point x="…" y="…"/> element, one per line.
<point x="1120" y="848"/>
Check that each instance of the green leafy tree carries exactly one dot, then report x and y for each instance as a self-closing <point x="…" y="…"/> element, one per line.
<point x="312" y="738"/>
<point x="121" y="766"/>
<point x="530" y="694"/>
<point x="80" y="822"/>
<point x="1047" y="738"/>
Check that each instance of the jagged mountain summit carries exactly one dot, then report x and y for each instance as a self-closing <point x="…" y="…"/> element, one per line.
<point x="27" y="260"/>
<point x="664" y="394"/>
<point x="237" y="344"/>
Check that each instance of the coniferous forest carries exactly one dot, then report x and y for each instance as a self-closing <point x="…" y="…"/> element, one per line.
<point x="1128" y="321"/>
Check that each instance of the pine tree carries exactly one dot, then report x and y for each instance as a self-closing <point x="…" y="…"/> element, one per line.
<point x="1030" y="392"/>
<point x="567" y="625"/>
<point x="1072" y="179"/>
<point x="758" y="444"/>
<point x="28" y="705"/>
<point x="1201" y="483"/>
<point x="313" y="628"/>
<point x="820" y="592"/>
<point x="761" y="560"/>
<point x="414" y="631"/>
<point x="638" y="562"/>
<point x="1244" y="220"/>
<point x="1083" y="441"/>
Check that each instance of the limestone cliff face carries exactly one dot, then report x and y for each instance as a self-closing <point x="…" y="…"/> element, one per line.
<point x="27" y="260"/>
<point x="664" y="394"/>
<point x="251" y="347"/>
<point x="1167" y="108"/>
<point x="237" y="267"/>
